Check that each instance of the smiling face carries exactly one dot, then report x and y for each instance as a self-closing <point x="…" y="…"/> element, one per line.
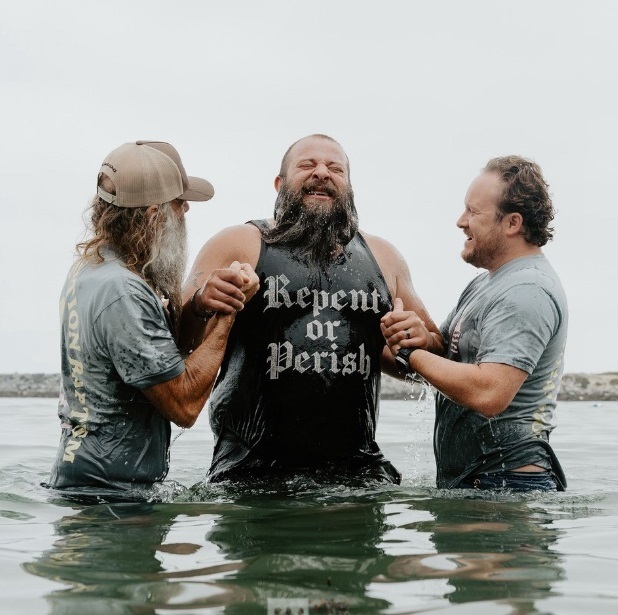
<point x="314" y="210"/>
<point x="316" y="171"/>
<point x="485" y="244"/>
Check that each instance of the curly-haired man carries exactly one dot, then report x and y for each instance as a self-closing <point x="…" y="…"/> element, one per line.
<point x="498" y="385"/>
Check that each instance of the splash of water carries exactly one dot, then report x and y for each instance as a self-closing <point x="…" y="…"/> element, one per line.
<point x="421" y="394"/>
<point x="182" y="430"/>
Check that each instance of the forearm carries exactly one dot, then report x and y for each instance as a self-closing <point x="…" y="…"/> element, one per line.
<point x="435" y="344"/>
<point x="191" y="330"/>
<point x="487" y="388"/>
<point x="204" y="362"/>
<point x="182" y="399"/>
<point x="388" y="364"/>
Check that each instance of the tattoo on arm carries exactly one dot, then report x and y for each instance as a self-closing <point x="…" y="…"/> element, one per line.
<point x="195" y="277"/>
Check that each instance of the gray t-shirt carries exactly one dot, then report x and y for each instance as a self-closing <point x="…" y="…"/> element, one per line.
<point x="516" y="316"/>
<point x="115" y="340"/>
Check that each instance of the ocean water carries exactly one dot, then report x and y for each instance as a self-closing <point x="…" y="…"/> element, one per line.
<point x="306" y="548"/>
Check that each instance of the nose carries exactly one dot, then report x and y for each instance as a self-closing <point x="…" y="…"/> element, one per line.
<point x="321" y="171"/>
<point x="180" y="207"/>
<point x="462" y="221"/>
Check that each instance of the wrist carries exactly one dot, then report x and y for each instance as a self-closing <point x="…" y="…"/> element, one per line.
<point x="402" y="360"/>
<point x="201" y="314"/>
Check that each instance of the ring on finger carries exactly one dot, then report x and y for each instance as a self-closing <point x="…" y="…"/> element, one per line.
<point x="407" y="332"/>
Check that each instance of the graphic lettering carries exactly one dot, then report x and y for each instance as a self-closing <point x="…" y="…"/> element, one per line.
<point x="282" y="356"/>
<point x="79" y="414"/>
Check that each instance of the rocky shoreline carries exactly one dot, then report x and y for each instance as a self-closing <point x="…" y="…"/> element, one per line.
<point x="575" y="387"/>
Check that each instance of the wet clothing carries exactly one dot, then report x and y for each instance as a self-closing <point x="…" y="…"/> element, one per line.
<point x="116" y="339"/>
<point x="511" y="481"/>
<point x="298" y="389"/>
<point x="517" y="316"/>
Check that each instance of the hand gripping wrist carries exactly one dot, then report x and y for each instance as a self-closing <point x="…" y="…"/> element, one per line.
<point x="202" y="315"/>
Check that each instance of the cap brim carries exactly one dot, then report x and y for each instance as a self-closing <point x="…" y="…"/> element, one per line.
<point x="199" y="190"/>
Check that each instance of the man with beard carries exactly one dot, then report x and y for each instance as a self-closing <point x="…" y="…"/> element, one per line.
<point x="299" y="384"/>
<point x="123" y="376"/>
<point x="505" y="339"/>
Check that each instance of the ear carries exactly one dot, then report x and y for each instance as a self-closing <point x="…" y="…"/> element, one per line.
<point x="278" y="181"/>
<point x="513" y="223"/>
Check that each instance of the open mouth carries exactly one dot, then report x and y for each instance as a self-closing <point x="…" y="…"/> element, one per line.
<point x="319" y="191"/>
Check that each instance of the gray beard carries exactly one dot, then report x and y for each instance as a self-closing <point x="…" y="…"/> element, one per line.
<point x="320" y="232"/>
<point x="168" y="256"/>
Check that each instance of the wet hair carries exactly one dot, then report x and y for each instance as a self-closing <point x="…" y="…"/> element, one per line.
<point x="525" y="192"/>
<point x="129" y="231"/>
<point x="286" y="157"/>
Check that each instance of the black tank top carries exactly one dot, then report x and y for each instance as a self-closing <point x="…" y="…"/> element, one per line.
<point x="299" y="385"/>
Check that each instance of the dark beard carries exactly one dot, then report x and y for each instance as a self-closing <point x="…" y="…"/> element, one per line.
<point x="321" y="232"/>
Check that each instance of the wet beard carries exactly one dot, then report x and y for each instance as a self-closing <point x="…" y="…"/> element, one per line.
<point x="321" y="232"/>
<point x="169" y="257"/>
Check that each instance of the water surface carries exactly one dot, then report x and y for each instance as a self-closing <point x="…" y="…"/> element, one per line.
<point x="335" y="549"/>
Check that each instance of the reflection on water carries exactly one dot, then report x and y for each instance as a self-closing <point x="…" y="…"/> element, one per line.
<point x="388" y="550"/>
<point x="324" y="549"/>
<point x="342" y="549"/>
<point x="487" y="549"/>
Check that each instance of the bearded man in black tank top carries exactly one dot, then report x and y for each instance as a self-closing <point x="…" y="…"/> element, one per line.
<point x="298" y="390"/>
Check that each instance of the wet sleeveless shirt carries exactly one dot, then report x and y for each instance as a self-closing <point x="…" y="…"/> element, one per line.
<point x="299" y="385"/>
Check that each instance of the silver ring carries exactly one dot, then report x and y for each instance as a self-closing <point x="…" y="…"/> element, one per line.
<point x="407" y="334"/>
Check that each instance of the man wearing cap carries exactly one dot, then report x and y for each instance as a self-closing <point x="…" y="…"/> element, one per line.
<point x="299" y="385"/>
<point x="123" y="375"/>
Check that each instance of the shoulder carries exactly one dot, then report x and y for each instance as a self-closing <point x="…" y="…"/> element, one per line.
<point x="525" y="296"/>
<point x="384" y="251"/>
<point x="392" y="264"/>
<point x="241" y="243"/>
<point x="238" y="232"/>
<point x="375" y="242"/>
<point x="109" y="294"/>
<point x="535" y="269"/>
<point x="111" y="277"/>
<point x="531" y="277"/>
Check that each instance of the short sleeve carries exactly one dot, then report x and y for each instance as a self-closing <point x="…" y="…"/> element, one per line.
<point x="137" y="338"/>
<point x="518" y="326"/>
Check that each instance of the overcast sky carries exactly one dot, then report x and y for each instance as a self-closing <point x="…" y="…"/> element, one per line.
<point x="419" y="94"/>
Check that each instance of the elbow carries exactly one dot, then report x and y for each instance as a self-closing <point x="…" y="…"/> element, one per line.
<point x="490" y="405"/>
<point x="186" y="422"/>
<point x="186" y="416"/>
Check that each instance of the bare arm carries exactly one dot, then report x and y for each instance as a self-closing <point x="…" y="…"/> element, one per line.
<point x="399" y="280"/>
<point x="237" y="243"/>
<point x="487" y="388"/>
<point x="224" y="289"/>
<point x="215" y="288"/>
<point x="181" y="399"/>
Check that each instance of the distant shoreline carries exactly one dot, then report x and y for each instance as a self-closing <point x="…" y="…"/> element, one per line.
<point x="575" y="387"/>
